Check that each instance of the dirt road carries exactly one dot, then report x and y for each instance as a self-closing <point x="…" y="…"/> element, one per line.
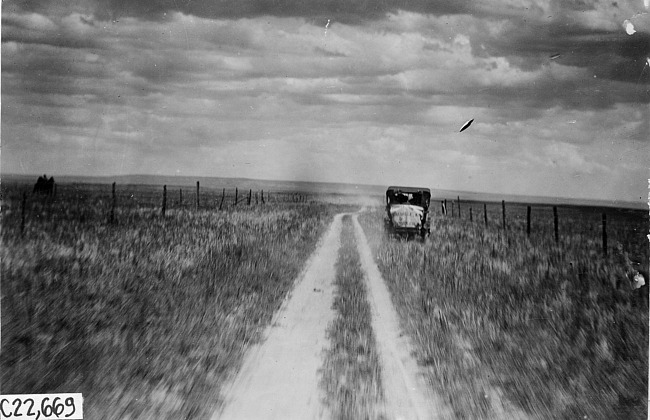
<point x="406" y="394"/>
<point x="279" y="379"/>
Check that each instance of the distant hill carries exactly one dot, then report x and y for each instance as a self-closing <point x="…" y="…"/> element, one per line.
<point x="318" y="188"/>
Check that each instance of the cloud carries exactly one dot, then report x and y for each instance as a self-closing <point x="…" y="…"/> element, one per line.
<point x="181" y="86"/>
<point x="40" y="30"/>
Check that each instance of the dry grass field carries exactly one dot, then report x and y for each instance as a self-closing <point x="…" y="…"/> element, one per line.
<point x="510" y="326"/>
<point x="149" y="315"/>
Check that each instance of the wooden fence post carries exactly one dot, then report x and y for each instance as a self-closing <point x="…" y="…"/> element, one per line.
<point x="197" y="195"/>
<point x="113" y="200"/>
<point x="22" y="212"/>
<point x="555" y="224"/>
<point x="445" y="206"/>
<point x="442" y="207"/>
<point x="605" y="234"/>
<point x="223" y="196"/>
<point x="262" y="196"/>
<point x="459" y="214"/>
<point x="424" y="261"/>
<point x="485" y="213"/>
<point x="528" y="221"/>
<point x="250" y="196"/>
<point x="470" y="214"/>
<point x="236" y="195"/>
<point x="164" y="202"/>
<point x="503" y="211"/>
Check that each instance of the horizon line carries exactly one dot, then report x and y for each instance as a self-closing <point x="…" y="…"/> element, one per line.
<point x="565" y="200"/>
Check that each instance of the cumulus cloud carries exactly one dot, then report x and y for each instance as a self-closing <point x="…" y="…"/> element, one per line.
<point x="123" y="87"/>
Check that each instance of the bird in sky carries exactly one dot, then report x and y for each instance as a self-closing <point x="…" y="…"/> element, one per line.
<point x="466" y="125"/>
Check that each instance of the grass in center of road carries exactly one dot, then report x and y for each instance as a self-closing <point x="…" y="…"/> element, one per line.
<point x="351" y="374"/>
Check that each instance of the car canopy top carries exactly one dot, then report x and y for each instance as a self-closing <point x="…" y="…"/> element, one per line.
<point x="408" y="190"/>
<point x="421" y="195"/>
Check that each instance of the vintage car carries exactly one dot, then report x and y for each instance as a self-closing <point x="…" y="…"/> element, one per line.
<point x="407" y="211"/>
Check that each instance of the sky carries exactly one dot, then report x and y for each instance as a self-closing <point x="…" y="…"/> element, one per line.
<point x="370" y="92"/>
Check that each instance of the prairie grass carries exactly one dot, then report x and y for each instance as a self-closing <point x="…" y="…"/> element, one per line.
<point x="512" y="327"/>
<point x="148" y="316"/>
<point x="351" y="372"/>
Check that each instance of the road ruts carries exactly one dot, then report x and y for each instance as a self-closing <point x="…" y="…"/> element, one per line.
<point x="279" y="379"/>
<point x="406" y="395"/>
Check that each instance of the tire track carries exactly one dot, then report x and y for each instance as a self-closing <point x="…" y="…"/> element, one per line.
<point x="407" y="396"/>
<point x="279" y="379"/>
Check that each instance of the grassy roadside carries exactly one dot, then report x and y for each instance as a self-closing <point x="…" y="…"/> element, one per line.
<point x="509" y="327"/>
<point x="351" y="372"/>
<point x="146" y="317"/>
